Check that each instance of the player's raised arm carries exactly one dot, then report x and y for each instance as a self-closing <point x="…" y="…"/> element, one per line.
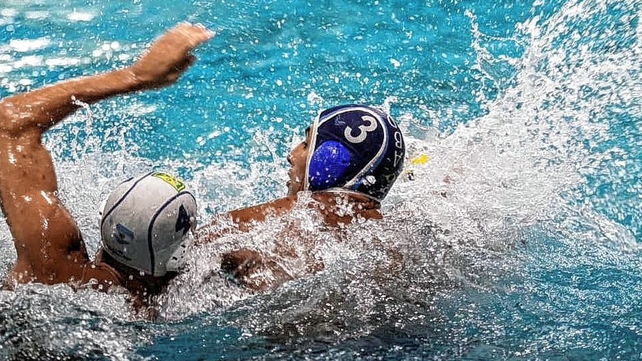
<point x="47" y="240"/>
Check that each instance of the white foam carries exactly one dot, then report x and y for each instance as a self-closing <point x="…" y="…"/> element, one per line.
<point x="80" y="16"/>
<point x="25" y="45"/>
<point x="37" y="15"/>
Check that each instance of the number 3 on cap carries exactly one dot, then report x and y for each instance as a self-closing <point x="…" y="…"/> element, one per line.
<point x="363" y="130"/>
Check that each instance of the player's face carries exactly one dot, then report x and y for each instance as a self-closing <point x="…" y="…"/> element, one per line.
<point x="298" y="159"/>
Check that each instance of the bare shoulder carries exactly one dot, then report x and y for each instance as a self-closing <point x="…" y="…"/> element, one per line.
<point x="339" y="208"/>
<point x="260" y="212"/>
<point x="47" y="239"/>
<point x="100" y="277"/>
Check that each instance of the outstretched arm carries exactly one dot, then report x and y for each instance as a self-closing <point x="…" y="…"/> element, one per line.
<point x="47" y="240"/>
<point x="260" y="271"/>
<point x="242" y="220"/>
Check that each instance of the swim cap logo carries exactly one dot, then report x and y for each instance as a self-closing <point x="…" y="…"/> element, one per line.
<point x="363" y="130"/>
<point x="399" y="153"/>
<point x="174" y="182"/>
<point x="123" y="234"/>
<point x="183" y="223"/>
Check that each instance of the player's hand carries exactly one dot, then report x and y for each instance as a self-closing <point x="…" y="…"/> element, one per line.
<point x="250" y="269"/>
<point x="170" y="56"/>
<point x="241" y="263"/>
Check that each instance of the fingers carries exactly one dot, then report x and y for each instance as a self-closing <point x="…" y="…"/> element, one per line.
<point x="240" y="262"/>
<point x="180" y="68"/>
<point x="169" y="56"/>
<point x="192" y="35"/>
<point x="189" y="61"/>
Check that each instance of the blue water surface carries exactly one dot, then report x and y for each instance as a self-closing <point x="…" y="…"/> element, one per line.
<point x="531" y="108"/>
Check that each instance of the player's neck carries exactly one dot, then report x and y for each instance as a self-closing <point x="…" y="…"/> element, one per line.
<point x="138" y="283"/>
<point x="342" y="207"/>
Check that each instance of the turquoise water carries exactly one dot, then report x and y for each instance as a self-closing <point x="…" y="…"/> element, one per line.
<point x="531" y="110"/>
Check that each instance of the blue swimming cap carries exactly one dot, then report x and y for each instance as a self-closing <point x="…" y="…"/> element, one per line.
<point x="357" y="148"/>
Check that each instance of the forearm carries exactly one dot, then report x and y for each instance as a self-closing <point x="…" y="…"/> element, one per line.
<point x="242" y="220"/>
<point x="253" y="270"/>
<point x="45" y="107"/>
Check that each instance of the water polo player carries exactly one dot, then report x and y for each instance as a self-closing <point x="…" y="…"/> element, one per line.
<point x="145" y="221"/>
<point x="352" y="155"/>
<point x="351" y="149"/>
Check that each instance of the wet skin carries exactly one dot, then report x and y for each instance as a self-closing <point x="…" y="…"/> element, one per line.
<point x="298" y="158"/>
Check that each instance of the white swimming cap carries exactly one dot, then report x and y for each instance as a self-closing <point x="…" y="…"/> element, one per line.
<point x="145" y="223"/>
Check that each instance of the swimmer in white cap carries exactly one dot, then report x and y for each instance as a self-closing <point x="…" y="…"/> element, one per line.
<point x="351" y="157"/>
<point x="145" y="221"/>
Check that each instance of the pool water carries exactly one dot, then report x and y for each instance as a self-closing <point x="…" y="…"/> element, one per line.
<point x="517" y="240"/>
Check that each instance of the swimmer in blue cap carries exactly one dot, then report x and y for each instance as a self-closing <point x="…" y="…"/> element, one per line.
<point x="351" y="156"/>
<point x="146" y="220"/>
<point x="350" y="149"/>
<point x="353" y="152"/>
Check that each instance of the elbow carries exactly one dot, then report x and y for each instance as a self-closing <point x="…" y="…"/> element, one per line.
<point x="9" y="122"/>
<point x="14" y="119"/>
<point x="5" y="116"/>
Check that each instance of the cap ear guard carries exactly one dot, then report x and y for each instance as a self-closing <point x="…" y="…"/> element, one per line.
<point x="176" y="261"/>
<point x="328" y="164"/>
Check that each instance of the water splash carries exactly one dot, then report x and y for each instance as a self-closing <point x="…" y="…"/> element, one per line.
<point x="502" y="217"/>
<point x="45" y="322"/>
<point x="518" y="238"/>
